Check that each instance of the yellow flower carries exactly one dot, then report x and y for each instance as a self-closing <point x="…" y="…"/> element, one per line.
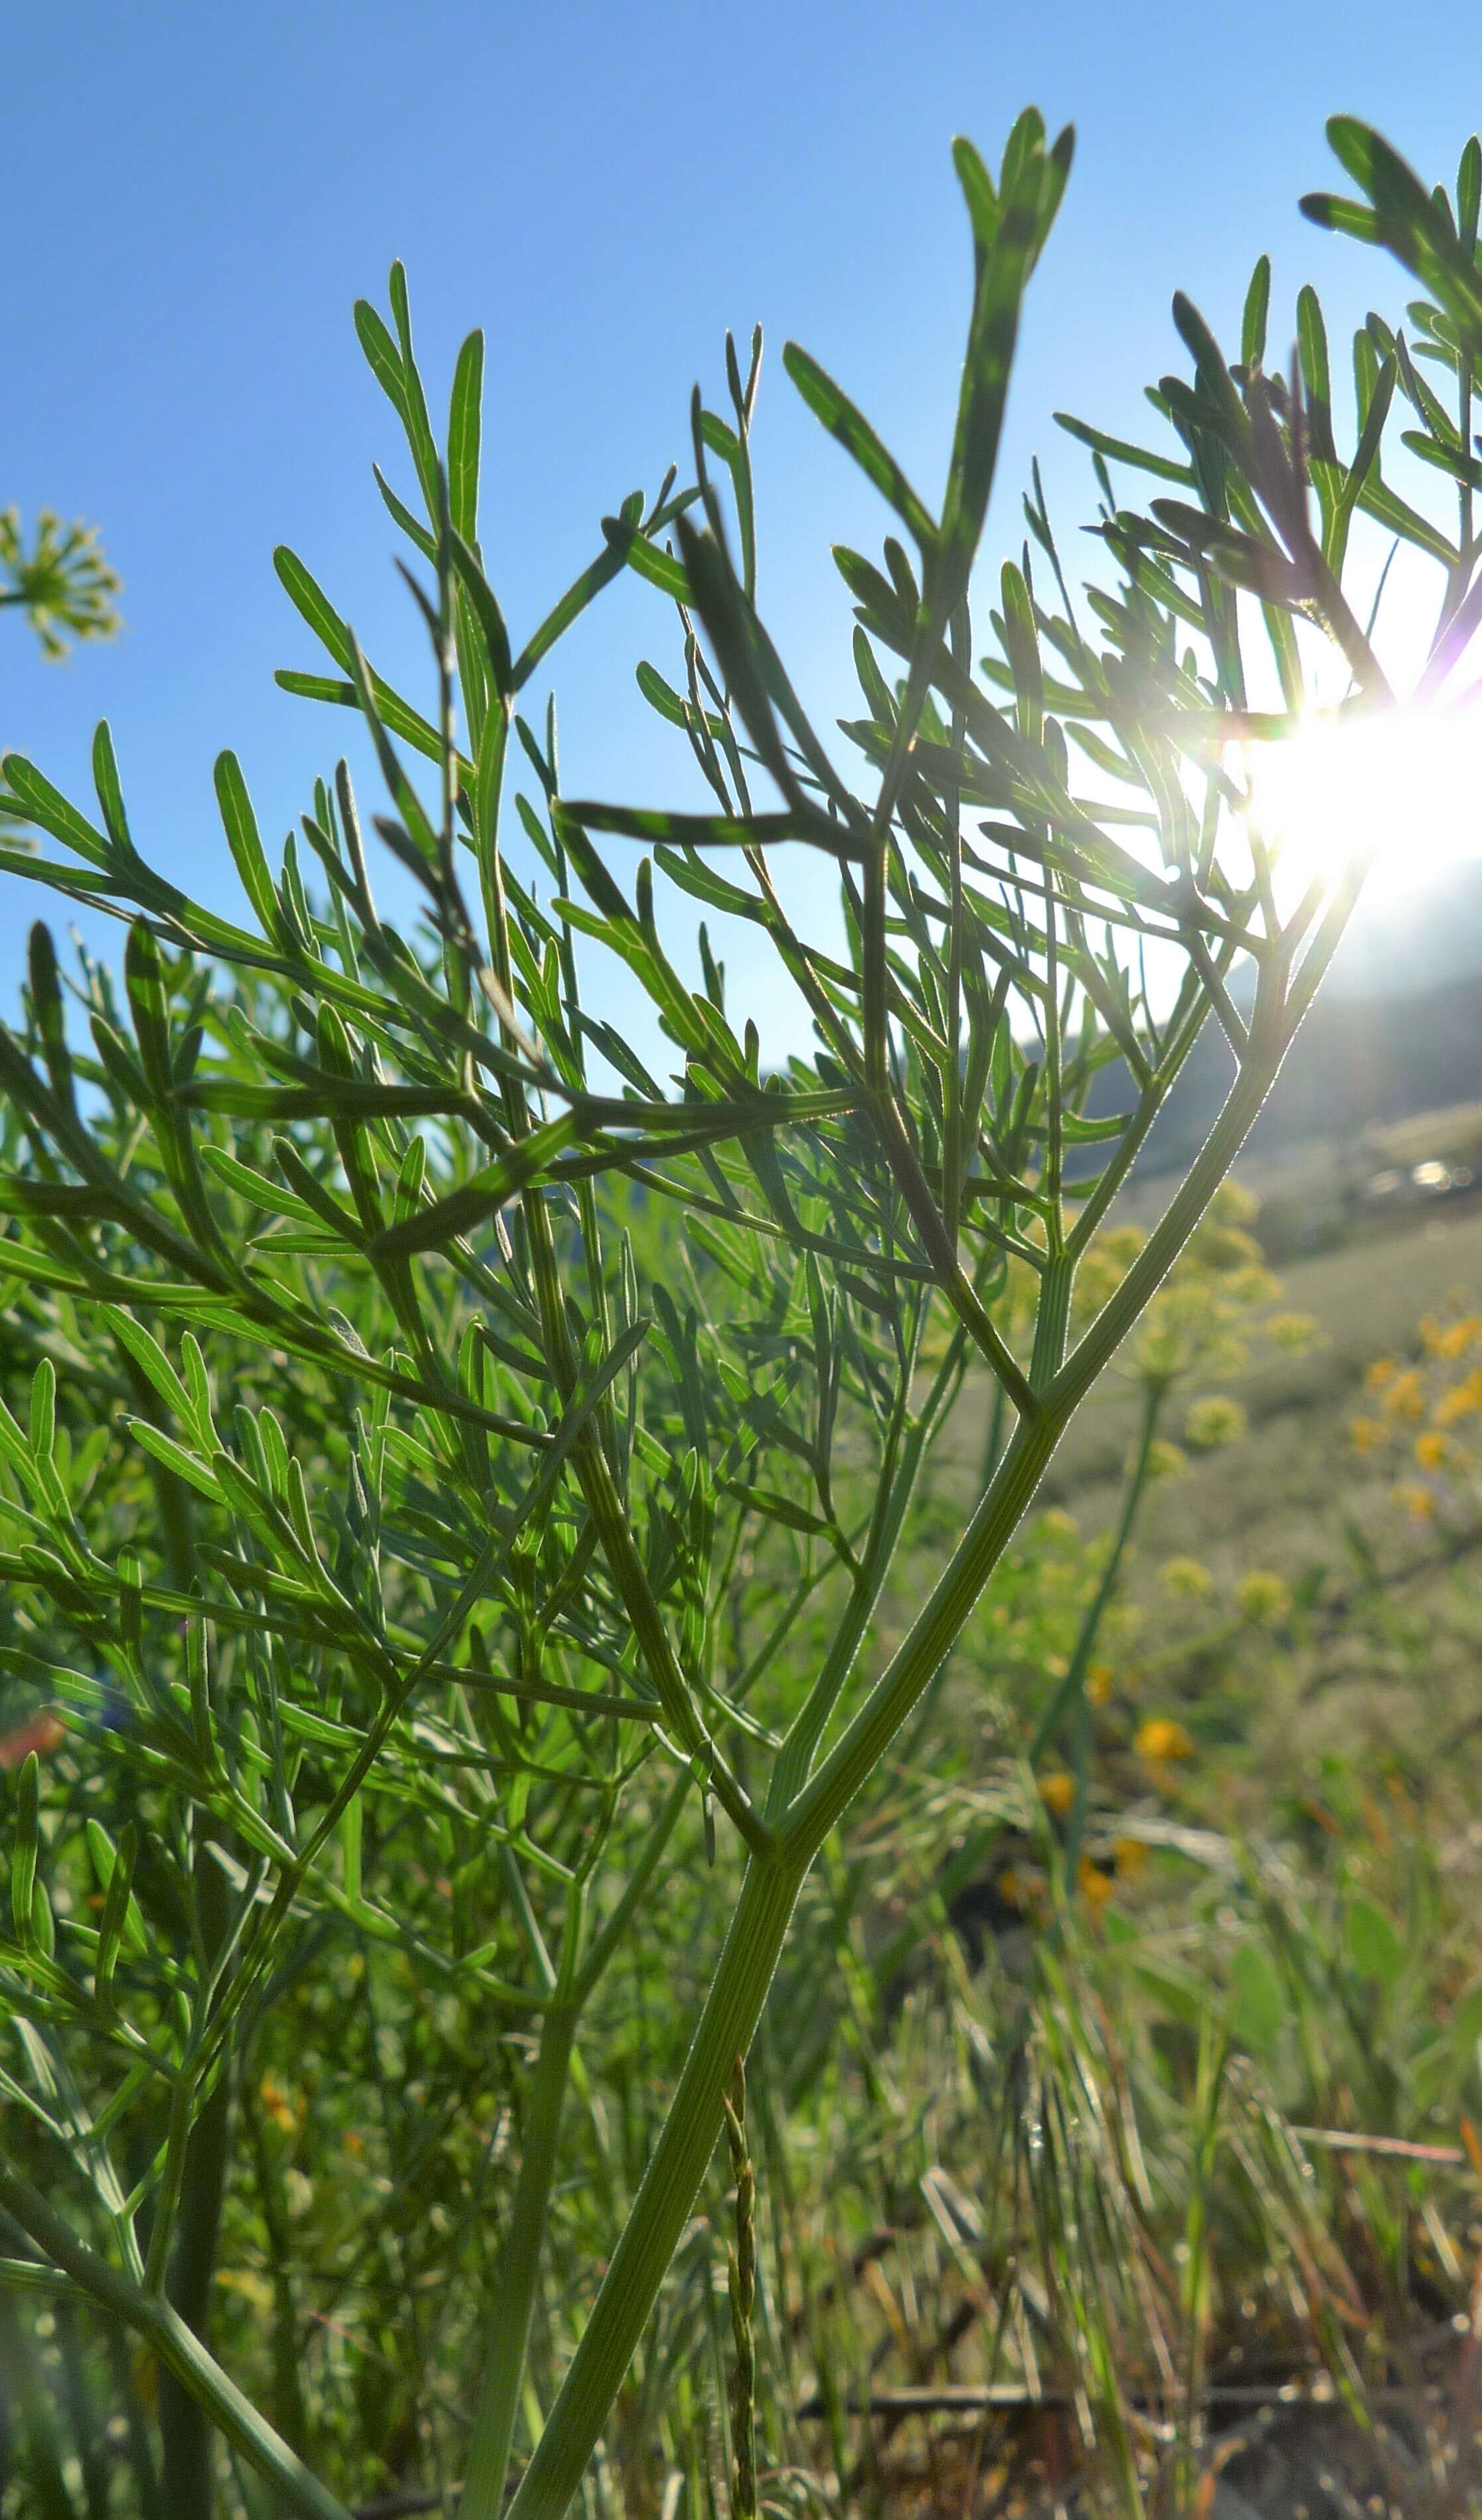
<point x="1403" y="1397"/>
<point x="1458" y="1335"/>
<point x="1160" y="1739"/>
<point x="1461" y="1402"/>
<point x="1431" y="1449"/>
<point x="1096" y="1886"/>
<point x="1164" y="1460"/>
<point x="1057" y="1792"/>
<point x="1186" y="1577"/>
<point x="1215" y="1422"/>
<point x="1099" y="1683"/>
<point x="1417" y="1500"/>
<point x="1130" y="1857"/>
<point x="1380" y="1373"/>
<point x="1262" y="1596"/>
<point x="1365" y="1433"/>
<point x="354" y="2142"/>
<point x="277" y="2105"/>
<point x="1294" y="1331"/>
<point x="1057" y="1524"/>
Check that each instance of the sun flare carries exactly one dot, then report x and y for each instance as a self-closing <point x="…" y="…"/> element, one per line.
<point x="1405" y="789"/>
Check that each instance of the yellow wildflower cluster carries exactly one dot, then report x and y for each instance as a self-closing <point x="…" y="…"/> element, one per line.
<point x="285" y="2112"/>
<point x="1294" y="1332"/>
<point x="1187" y="1578"/>
<point x="1214" y="1422"/>
<point x="1424" y="1412"/>
<point x="1213" y="1311"/>
<point x="1162" y="1740"/>
<point x="1262" y="1597"/>
<point x="1464" y="1400"/>
<point x="1451" y="1339"/>
<point x="1097" y="1875"/>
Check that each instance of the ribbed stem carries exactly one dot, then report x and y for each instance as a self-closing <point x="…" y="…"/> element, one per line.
<point x="176" y="2346"/>
<point x="742" y="2269"/>
<point x="186" y="2432"/>
<point x="936" y="1629"/>
<point x="512" y="2299"/>
<point x="770" y="1886"/>
<point x="670" y="2185"/>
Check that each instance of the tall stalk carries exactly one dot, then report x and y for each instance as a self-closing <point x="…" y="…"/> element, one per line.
<point x="533" y="1441"/>
<point x="758" y="1927"/>
<point x="512" y="2293"/>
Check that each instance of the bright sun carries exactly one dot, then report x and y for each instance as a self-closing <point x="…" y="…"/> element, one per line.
<point x="1407" y="788"/>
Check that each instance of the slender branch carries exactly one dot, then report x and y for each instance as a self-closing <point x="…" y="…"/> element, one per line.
<point x="179" y="2350"/>
<point x="664" y="2200"/>
<point x="935" y="1631"/>
<point x="1070" y="1697"/>
<point x="514" y="2279"/>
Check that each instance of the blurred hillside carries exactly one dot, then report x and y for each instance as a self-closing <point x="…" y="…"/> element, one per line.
<point x="1397" y="1031"/>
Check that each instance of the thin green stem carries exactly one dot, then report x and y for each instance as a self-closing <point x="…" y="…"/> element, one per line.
<point x="770" y="1886"/>
<point x="953" y="1166"/>
<point x="512" y="2290"/>
<point x="176" y="2346"/>
<point x="1269" y="1042"/>
<point x="737" y="1994"/>
<point x="900" y="1464"/>
<point x="1070" y="1697"/>
<point x="832" y="1787"/>
<point x="615" y="1532"/>
<point x="951" y="1277"/>
<point x="612" y="1936"/>
<point x="289" y="2410"/>
<point x="185" y="2426"/>
<point x="1052" y="1320"/>
<point x="1070" y="1687"/>
<point x="664" y="2200"/>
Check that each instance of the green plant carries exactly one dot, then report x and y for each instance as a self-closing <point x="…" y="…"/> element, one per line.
<point x="63" y="583"/>
<point x="461" y="1472"/>
<point x="63" y="586"/>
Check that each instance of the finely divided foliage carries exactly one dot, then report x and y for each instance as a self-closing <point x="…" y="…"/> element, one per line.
<point x="438" y="1426"/>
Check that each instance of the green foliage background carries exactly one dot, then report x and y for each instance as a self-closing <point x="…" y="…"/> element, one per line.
<point x="471" y="1502"/>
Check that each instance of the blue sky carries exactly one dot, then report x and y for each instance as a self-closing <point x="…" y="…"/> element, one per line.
<point x="196" y="195"/>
